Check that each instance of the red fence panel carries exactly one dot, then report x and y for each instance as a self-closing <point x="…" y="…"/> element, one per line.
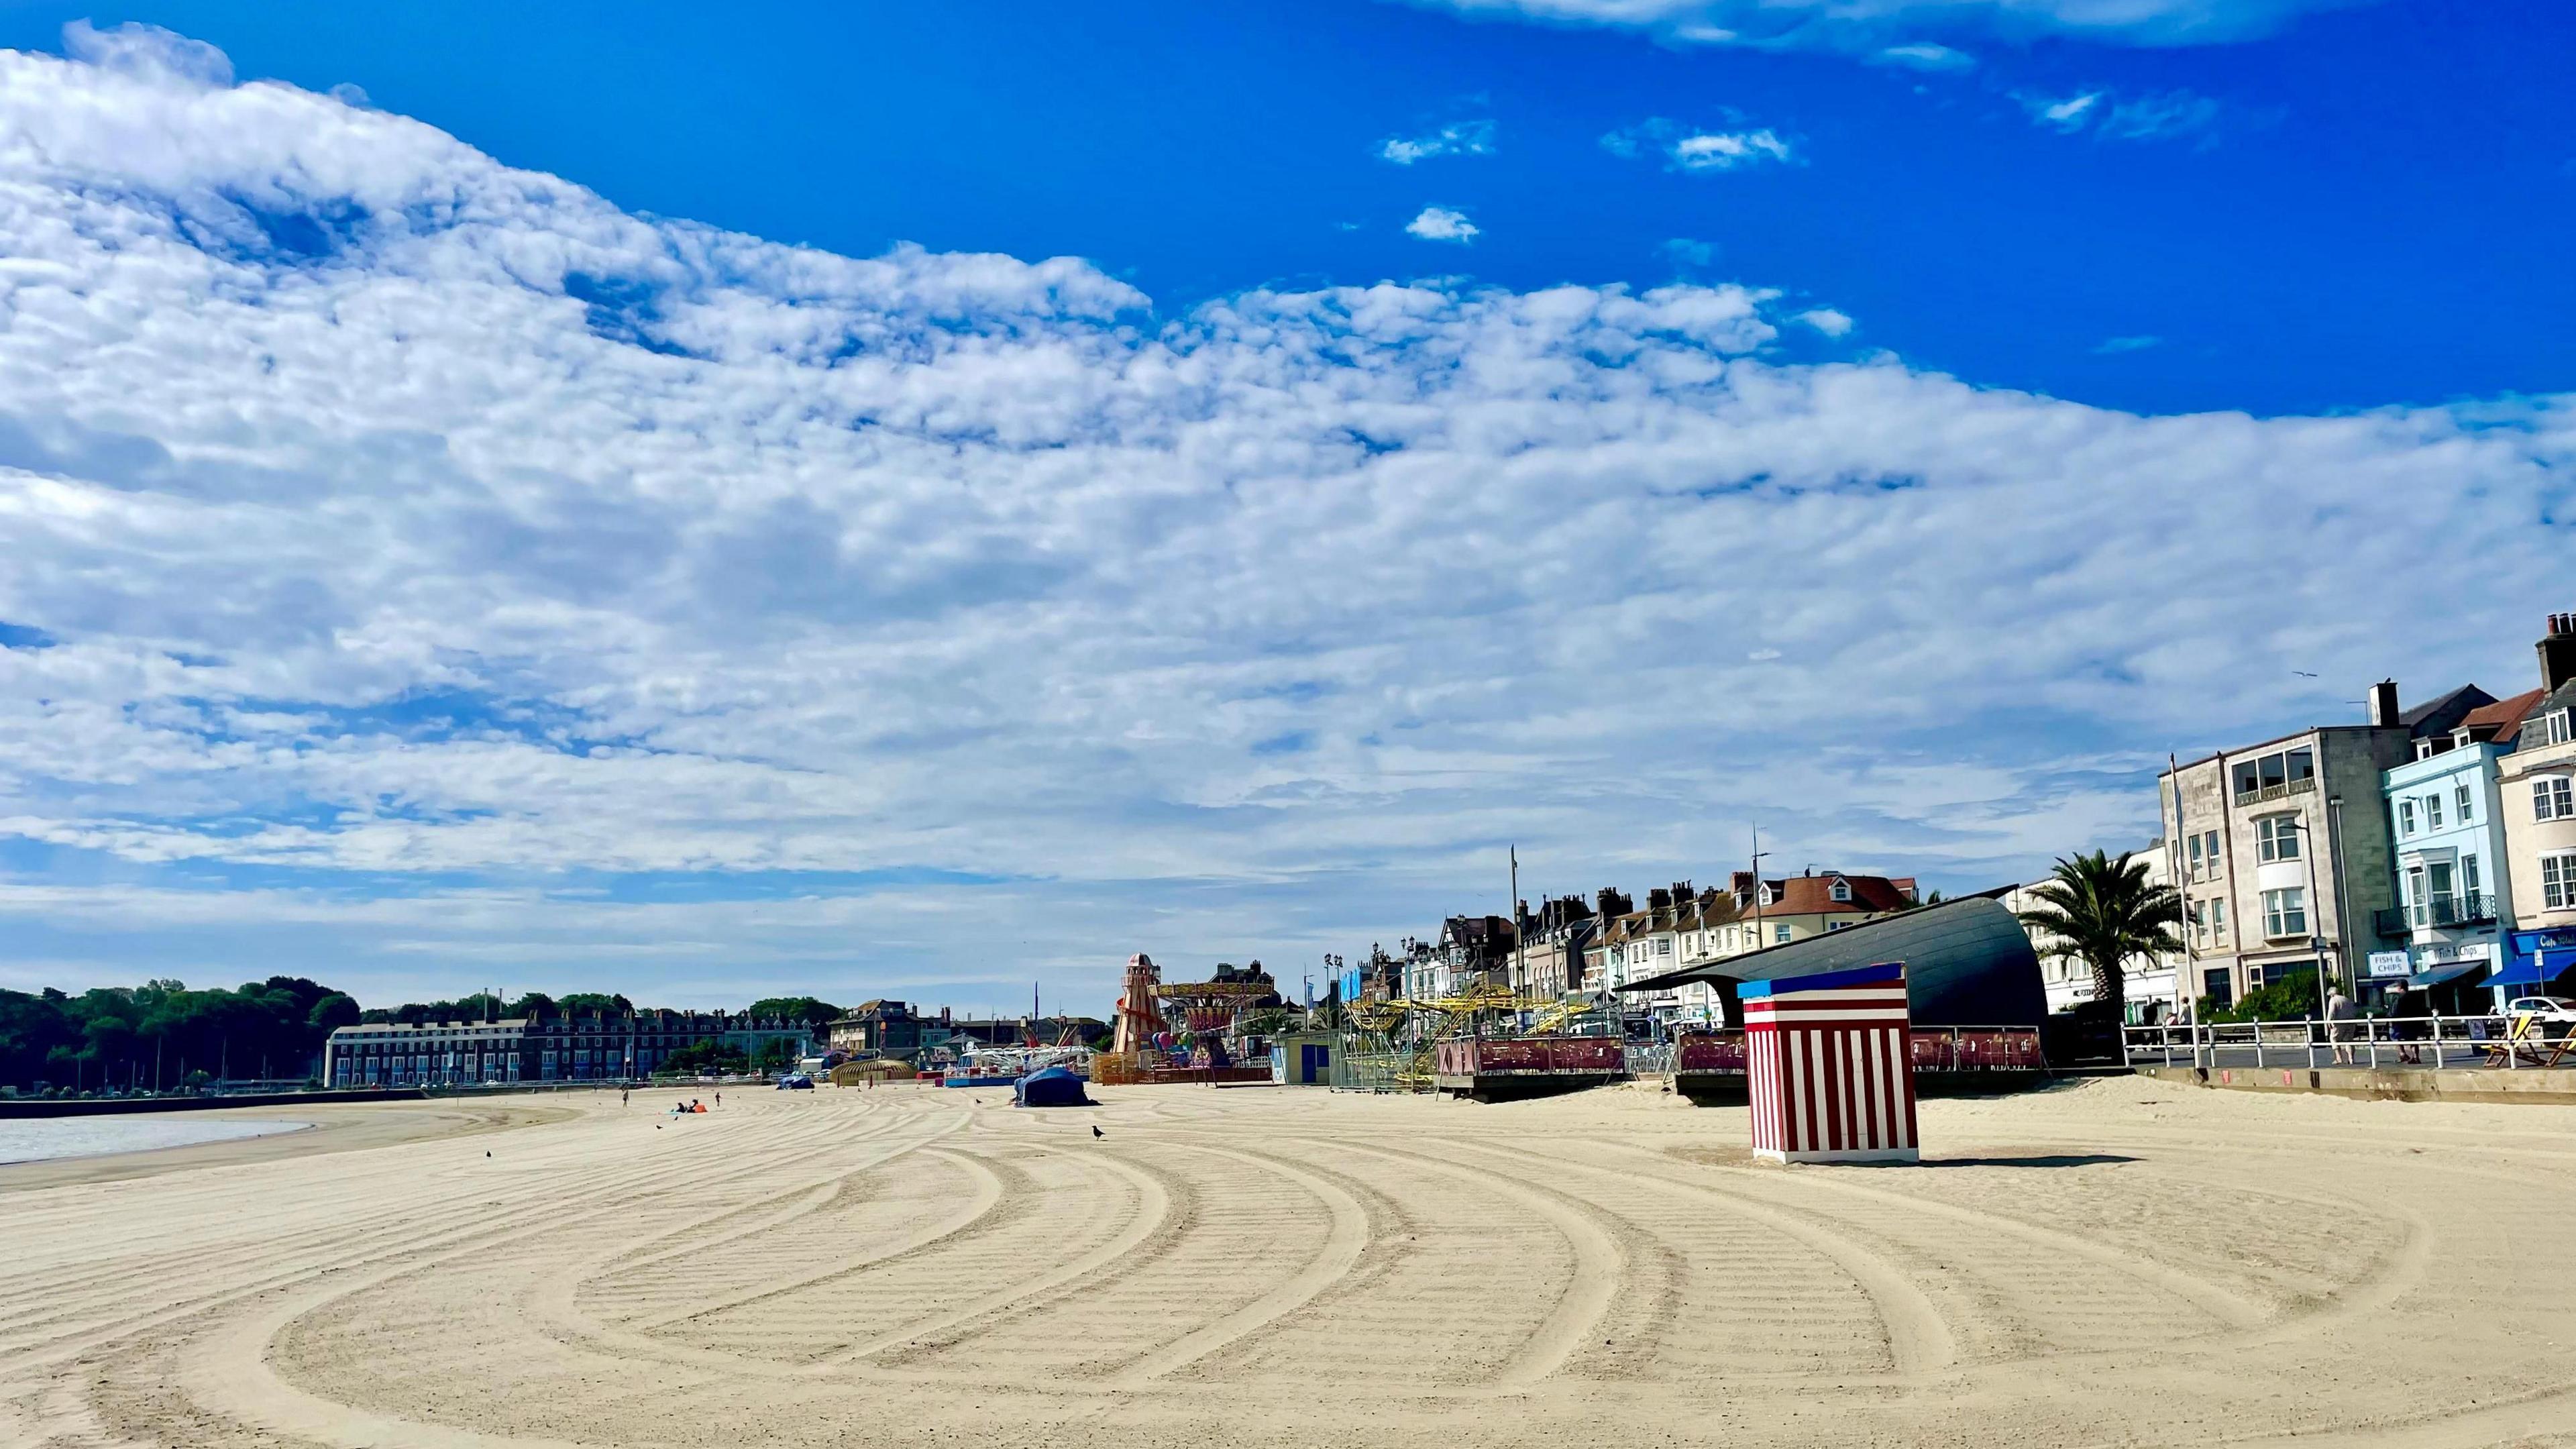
<point x="1931" y="1049"/>
<point x="1530" y="1055"/>
<point x="1710" y="1051"/>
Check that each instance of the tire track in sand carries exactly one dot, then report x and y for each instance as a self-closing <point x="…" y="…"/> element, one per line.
<point x="1600" y="1264"/>
<point x="1342" y="1247"/>
<point x="1153" y="1208"/>
<point x="1919" y="1339"/>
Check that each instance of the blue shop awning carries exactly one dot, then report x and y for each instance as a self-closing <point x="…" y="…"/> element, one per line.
<point x="2520" y="971"/>
<point x="2447" y="971"/>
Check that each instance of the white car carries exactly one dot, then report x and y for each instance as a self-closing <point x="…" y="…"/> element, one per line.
<point x="2556" y="1015"/>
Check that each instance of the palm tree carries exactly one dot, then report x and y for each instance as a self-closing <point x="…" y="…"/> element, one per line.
<point x="2101" y="912"/>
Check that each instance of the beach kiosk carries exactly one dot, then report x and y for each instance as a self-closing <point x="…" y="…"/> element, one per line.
<point x="1829" y="1066"/>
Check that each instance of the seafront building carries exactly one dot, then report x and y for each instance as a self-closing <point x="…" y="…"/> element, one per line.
<point x="548" y="1047"/>
<point x="1682" y="927"/>
<point x="2284" y="847"/>
<point x="1549" y="961"/>
<point x="2454" y="881"/>
<point x="2536" y="785"/>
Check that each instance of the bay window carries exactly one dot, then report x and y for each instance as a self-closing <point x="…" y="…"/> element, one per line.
<point x="2558" y="881"/>
<point x="2285" y="912"/>
<point x="2551" y="798"/>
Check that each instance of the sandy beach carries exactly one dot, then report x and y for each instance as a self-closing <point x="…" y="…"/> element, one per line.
<point x="2115" y="1262"/>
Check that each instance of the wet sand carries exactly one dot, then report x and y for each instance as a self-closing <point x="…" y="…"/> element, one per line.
<point x="333" y="1127"/>
<point x="2112" y="1262"/>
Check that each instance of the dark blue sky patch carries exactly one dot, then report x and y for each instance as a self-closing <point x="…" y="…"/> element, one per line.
<point x="621" y="309"/>
<point x="24" y="636"/>
<point x="1294" y="742"/>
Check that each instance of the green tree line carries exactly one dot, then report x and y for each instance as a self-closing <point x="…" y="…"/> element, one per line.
<point x="132" y="1037"/>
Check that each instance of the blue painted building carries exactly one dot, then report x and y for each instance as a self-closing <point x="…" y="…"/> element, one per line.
<point x="2455" y="891"/>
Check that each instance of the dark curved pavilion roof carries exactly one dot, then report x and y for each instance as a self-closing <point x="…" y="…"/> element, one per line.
<point x="1967" y="963"/>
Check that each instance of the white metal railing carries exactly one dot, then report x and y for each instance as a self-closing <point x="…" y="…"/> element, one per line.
<point x="2484" y="1040"/>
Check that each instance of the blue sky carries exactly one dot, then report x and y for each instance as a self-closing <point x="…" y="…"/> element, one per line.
<point x="2357" y="206"/>
<point x="909" y="500"/>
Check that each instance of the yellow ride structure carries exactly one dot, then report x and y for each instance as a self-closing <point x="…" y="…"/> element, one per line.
<point x="1406" y="1065"/>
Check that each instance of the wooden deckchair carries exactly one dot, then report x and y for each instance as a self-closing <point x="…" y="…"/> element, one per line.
<point x="2524" y="1042"/>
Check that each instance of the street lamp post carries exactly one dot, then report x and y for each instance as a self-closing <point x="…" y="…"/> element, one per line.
<point x="2316" y="940"/>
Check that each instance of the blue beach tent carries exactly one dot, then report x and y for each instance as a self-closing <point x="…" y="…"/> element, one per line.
<point x="1050" y="1087"/>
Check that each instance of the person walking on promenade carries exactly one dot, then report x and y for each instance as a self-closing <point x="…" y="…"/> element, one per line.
<point x="2341" y="1013"/>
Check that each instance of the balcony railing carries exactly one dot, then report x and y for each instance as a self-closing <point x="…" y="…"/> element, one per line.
<point x="2467" y="908"/>
<point x="2282" y="790"/>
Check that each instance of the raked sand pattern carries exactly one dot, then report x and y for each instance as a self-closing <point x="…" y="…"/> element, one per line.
<point x="2119" y="1262"/>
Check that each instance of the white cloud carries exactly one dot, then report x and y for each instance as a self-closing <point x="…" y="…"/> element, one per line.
<point x="1443" y="224"/>
<point x="1728" y="150"/>
<point x="1924" y="55"/>
<point x="1459" y="138"/>
<point x="1685" y="149"/>
<point x="2065" y="113"/>
<point x="2155" y="117"/>
<point x="1887" y="29"/>
<point x="1826" y="320"/>
<point x="1688" y="251"/>
<point x="423" y="569"/>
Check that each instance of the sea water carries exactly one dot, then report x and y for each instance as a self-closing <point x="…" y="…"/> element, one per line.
<point x="36" y="1140"/>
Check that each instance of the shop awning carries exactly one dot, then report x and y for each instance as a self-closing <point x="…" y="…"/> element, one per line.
<point x="2520" y="971"/>
<point x="2447" y="971"/>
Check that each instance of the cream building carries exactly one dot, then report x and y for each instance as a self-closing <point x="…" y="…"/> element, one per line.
<point x="2537" y="784"/>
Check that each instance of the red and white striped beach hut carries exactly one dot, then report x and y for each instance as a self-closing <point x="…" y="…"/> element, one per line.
<point x="1829" y="1066"/>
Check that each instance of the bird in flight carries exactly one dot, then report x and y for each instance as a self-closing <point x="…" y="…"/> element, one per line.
<point x="2303" y="674"/>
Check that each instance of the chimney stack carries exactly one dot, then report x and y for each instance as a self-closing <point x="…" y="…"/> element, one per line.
<point x="2558" y="652"/>
<point x="2383" y="703"/>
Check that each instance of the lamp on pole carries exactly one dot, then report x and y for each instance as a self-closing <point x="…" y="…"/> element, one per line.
<point x="2316" y="941"/>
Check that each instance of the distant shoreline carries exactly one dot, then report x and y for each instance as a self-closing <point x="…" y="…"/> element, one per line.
<point x="336" y="1126"/>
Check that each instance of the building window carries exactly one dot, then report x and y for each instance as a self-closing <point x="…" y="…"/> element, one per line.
<point x="2276" y="774"/>
<point x="2200" y="923"/>
<point x="2550" y="798"/>
<point x="2558" y="881"/>
<point x="1781" y="934"/>
<point x="2214" y="984"/>
<point x="2193" y="852"/>
<point x="2460" y="799"/>
<point x="2557" y="727"/>
<point x="2469" y="874"/>
<point x="2405" y="817"/>
<point x="2433" y="812"/>
<point x="2276" y="837"/>
<point x="2218" y="916"/>
<point x="1841" y="890"/>
<point x="1839" y="925"/>
<point x="2285" y="913"/>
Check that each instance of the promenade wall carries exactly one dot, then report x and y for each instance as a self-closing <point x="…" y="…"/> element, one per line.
<point x="2540" y="1085"/>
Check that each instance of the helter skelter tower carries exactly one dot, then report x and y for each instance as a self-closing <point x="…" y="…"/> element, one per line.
<point x="1139" y="1018"/>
